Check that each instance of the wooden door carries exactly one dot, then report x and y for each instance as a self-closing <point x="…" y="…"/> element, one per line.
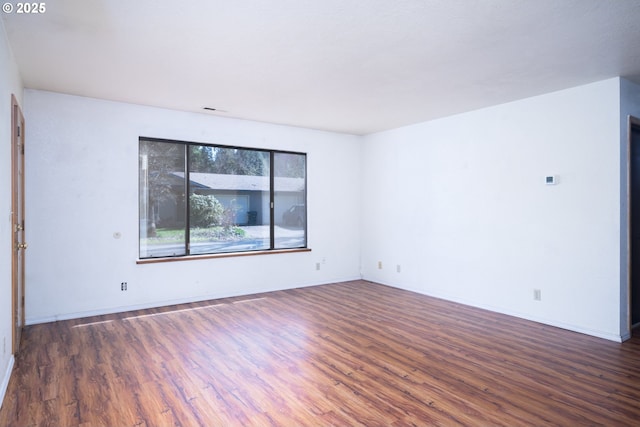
<point x="17" y="221"/>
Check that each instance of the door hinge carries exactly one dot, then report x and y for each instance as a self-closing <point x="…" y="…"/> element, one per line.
<point x="19" y="131"/>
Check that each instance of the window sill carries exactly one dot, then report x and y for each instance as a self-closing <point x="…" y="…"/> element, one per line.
<point x="225" y="255"/>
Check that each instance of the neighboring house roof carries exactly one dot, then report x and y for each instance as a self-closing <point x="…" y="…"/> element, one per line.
<point x="216" y="181"/>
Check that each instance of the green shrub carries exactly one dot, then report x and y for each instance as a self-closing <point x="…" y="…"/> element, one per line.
<point x="205" y="210"/>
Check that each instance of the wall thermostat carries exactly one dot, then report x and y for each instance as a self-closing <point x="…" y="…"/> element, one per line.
<point x="550" y="179"/>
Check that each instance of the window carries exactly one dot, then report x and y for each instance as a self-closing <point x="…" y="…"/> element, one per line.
<point x="207" y="199"/>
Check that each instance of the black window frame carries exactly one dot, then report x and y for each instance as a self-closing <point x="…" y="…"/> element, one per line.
<point x="187" y="188"/>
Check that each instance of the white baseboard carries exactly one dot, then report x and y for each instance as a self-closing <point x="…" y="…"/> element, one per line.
<point x="154" y="304"/>
<point x="561" y="325"/>
<point x="5" y="380"/>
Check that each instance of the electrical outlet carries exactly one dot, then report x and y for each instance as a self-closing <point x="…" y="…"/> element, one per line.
<point x="317" y="266"/>
<point x="398" y="268"/>
<point x="123" y="286"/>
<point x="537" y="295"/>
<point x="379" y="265"/>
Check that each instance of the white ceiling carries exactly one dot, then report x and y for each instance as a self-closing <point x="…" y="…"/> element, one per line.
<point x="354" y="66"/>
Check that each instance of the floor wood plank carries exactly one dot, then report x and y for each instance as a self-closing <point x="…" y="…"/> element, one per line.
<point x="354" y="353"/>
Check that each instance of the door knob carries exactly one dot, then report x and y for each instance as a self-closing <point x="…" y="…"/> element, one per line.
<point x="21" y="246"/>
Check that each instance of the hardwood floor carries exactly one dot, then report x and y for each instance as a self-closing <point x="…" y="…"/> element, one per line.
<point x="345" y="354"/>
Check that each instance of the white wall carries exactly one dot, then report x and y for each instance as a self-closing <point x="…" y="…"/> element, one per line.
<point x="462" y="206"/>
<point x="10" y="83"/>
<point x="459" y="203"/>
<point x="82" y="187"/>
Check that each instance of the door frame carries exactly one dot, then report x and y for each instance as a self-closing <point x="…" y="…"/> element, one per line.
<point x="632" y="122"/>
<point x="17" y="224"/>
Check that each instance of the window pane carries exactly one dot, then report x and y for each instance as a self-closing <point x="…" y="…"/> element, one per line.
<point x="229" y="200"/>
<point x="201" y="199"/>
<point x="290" y="200"/>
<point x="162" y="201"/>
